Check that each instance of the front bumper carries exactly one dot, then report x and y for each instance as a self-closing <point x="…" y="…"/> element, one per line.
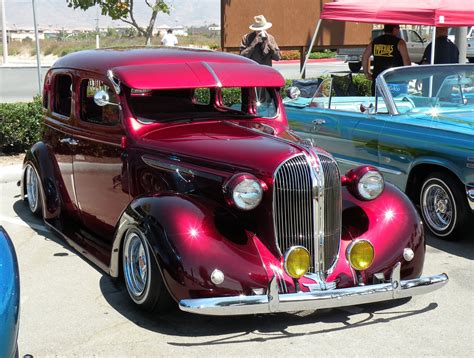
<point x="302" y="301"/>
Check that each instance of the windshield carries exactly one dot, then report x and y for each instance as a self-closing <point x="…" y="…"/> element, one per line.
<point x="202" y="103"/>
<point x="432" y="89"/>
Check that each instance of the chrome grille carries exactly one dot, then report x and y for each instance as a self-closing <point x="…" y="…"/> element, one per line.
<point x="299" y="217"/>
<point x="293" y="206"/>
<point x="332" y="210"/>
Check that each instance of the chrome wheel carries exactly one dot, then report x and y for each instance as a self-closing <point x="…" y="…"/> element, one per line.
<point x="32" y="188"/>
<point x="136" y="260"/>
<point x="438" y="206"/>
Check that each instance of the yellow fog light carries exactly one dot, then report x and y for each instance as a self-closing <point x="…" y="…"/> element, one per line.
<point x="360" y="254"/>
<point x="297" y="261"/>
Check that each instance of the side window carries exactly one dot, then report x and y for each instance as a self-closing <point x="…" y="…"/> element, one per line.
<point x="107" y="115"/>
<point x="62" y="95"/>
<point x="413" y="36"/>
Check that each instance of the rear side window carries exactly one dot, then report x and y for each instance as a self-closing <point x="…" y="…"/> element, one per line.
<point x="107" y="115"/>
<point x="62" y="94"/>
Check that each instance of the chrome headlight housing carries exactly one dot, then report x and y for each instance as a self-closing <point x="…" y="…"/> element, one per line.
<point x="244" y="191"/>
<point x="365" y="183"/>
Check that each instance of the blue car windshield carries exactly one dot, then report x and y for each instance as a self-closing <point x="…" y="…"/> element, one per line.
<point x="428" y="88"/>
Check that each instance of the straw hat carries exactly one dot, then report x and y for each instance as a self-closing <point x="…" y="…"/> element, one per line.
<point x="260" y="23"/>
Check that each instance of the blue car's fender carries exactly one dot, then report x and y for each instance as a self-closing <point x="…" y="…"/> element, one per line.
<point x="9" y="297"/>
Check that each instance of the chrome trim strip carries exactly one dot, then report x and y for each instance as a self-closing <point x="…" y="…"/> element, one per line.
<point x="273" y="302"/>
<point x="214" y="75"/>
<point x="154" y="163"/>
<point x="470" y="197"/>
<point x="382" y="169"/>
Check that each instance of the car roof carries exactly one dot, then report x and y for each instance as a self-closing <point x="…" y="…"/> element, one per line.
<point x="102" y="60"/>
<point x="169" y="67"/>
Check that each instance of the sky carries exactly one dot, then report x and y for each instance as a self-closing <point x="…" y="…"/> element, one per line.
<point x="56" y="13"/>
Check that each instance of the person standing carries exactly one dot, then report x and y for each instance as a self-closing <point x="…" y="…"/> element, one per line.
<point x="445" y="50"/>
<point x="169" y="39"/>
<point x="259" y="45"/>
<point x="388" y="50"/>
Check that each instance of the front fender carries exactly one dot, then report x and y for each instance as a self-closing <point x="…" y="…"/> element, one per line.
<point x="190" y="237"/>
<point x="9" y="296"/>
<point x="440" y="162"/>
<point x="391" y="223"/>
<point x="43" y="161"/>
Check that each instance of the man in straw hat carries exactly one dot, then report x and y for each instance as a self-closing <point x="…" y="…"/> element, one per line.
<point x="259" y="45"/>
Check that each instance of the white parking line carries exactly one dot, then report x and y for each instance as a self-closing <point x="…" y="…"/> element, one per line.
<point x="19" y="222"/>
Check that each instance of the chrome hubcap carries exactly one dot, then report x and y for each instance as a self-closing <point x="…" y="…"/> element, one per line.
<point x="32" y="188"/>
<point x="135" y="262"/>
<point x="438" y="208"/>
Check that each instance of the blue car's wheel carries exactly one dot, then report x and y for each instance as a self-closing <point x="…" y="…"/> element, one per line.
<point x="33" y="193"/>
<point x="443" y="206"/>
<point x="141" y="274"/>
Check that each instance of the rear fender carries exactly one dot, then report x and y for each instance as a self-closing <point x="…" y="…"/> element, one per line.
<point x="44" y="163"/>
<point x="190" y="237"/>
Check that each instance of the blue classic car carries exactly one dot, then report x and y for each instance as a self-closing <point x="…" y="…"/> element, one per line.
<point x="418" y="130"/>
<point x="9" y="297"/>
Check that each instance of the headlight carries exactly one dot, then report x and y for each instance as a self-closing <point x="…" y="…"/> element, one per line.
<point x="360" y="254"/>
<point x="297" y="261"/>
<point x="244" y="191"/>
<point x="365" y="183"/>
<point x="370" y="185"/>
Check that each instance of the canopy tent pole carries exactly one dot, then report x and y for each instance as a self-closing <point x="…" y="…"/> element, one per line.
<point x="310" y="48"/>
<point x="433" y="44"/>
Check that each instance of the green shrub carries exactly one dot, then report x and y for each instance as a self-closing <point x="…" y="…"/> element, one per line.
<point x="20" y="125"/>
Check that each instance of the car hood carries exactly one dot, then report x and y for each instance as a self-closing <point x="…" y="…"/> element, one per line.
<point x="223" y="143"/>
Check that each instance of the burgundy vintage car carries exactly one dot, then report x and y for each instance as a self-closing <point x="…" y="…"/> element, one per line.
<point x="175" y="170"/>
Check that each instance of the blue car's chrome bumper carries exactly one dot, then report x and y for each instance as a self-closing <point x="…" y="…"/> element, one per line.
<point x="290" y="302"/>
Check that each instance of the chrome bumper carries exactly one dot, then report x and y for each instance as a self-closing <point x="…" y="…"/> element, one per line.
<point x="302" y="301"/>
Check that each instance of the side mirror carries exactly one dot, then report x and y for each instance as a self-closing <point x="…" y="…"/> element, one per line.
<point x="102" y="98"/>
<point x="293" y="92"/>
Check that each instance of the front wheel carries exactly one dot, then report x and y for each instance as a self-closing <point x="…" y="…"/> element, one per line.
<point x="141" y="274"/>
<point x="33" y="193"/>
<point x="443" y="206"/>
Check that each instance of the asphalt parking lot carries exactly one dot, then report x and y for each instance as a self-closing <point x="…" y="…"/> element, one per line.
<point x="70" y="308"/>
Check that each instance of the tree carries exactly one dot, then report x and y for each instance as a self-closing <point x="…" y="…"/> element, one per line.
<point x="123" y="10"/>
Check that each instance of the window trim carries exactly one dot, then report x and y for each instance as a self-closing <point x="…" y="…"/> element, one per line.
<point x="52" y="99"/>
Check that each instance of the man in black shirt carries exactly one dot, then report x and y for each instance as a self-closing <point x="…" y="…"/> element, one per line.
<point x="388" y="50"/>
<point x="445" y="50"/>
<point x="259" y="45"/>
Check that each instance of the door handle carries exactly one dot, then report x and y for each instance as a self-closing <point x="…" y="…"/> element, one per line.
<point x="318" y="122"/>
<point x="69" y="141"/>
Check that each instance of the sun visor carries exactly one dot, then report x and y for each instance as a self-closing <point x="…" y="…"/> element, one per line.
<point x="198" y="75"/>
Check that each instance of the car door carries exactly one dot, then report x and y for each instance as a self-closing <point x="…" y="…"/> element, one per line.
<point x="59" y="127"/>
<point x="415" y="45"/>
<point x="99" y="161"/>
<point x="343" y="130"/>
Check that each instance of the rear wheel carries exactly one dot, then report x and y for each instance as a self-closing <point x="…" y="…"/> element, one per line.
<point x="444" y="207"/>
<point x="141" y="274"/>
<point x="33" y="193"/>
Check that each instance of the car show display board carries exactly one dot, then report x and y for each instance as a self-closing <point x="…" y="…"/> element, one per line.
<point x="293" y="24"/>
